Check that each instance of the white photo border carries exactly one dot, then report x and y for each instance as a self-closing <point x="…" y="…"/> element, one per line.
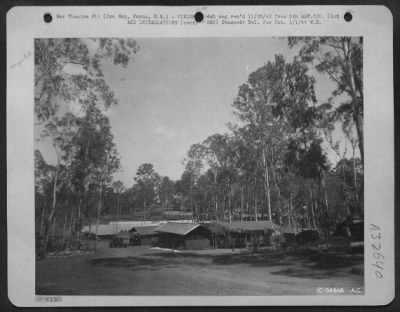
<point x="373" y="23"/>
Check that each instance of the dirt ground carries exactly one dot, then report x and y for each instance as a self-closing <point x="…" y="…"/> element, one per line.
<point x="140" y="270"/>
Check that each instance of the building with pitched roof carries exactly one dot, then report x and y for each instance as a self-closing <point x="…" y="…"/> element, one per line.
<point x="183" y="236"/>
<point x="146" y="234"/>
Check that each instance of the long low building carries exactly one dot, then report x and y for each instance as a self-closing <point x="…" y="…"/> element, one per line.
<point x="114" y="227"/>
<point x="102" y="230"/>
<point x="131" y="224"/>
<point x="189" y="235"/>
<point x="242" y="233"/>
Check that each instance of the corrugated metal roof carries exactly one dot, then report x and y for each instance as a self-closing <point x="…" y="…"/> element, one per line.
<point x="146" y="230"/>
<point x="110" y="228"/>
<point x="103" y="229"/>
<point x="249" y="226"/>
<point x="130" y="224"/>
<point x="177" y="228"/>
<point x="127" y="225"/>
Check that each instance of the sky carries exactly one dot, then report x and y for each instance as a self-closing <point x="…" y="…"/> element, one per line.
<point x="178" y="91"/>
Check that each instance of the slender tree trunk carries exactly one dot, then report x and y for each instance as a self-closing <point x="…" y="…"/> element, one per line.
<point x="64" y="225"/>
<point x="357" y="114"/>
<point x="118" y="208"/>
<point x="317" y="212"/>
<point x="144" y="206"/>
<point x="292" y="217"/>
<point x="266" y="183"/>
<point x="313" y="215"/>
<point x="216" y="206"/>
<point x="42" y="220"/>
<point x="278" y="189"/>
<point x="223" y="205"/>
<point x="255" y="200"/>
<point x="312" y="208"/>
<point x="78" y="218"/>
<point x="359" y="124"/>
<point x="248" y="202"/>
<point x="53" y="207"/>
<point x="355" y="177"/>
<point x="326" y="199"/>
<point x="118" y="215"/>
<point x="53" y="231"/>
<point x="322" y="183"/>
<point x="327" y="213"/>
<point x="230" y="203"/>
<point x="290" y="209"/>
<point x="51" y="217"/>
<point x="241" y="203"/>
<point x="72" y="220"/>
<point x="345" y="197"/>
<point x="216" y="195"/>
<point x="191" y="198"/>
<point x="98" y="213"/>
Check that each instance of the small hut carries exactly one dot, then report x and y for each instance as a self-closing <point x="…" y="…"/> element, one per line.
<point x="288" y="234"/>
<point x="219" y="234"/>
<point x="124" y="236"/>
<point x="120" y="240"/>
<point x="144" y="235"/>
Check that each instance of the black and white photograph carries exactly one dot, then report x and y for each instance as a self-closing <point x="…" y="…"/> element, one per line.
<point x="200" y="156"/>
<point x="199" y="166"/>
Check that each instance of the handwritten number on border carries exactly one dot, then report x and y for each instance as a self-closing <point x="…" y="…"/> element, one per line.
<point x="376" y="236"/>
